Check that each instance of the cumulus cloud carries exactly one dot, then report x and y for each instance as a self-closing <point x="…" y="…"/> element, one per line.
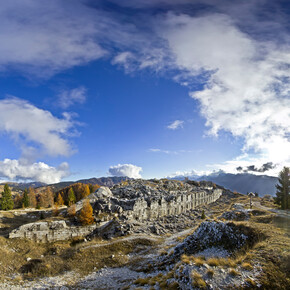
<point x="28" y="125"/>
<point x="128" y="170"/>
<point x="193" y="174"/>
<point x="68" y="98"/>
<point x="17" y="170"/>
<point x="175" y="125"/>
<point x="246" y="91"/>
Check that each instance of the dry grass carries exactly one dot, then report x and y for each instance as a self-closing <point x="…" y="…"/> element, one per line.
<point x="213" y="262"/>
<point x="250" y="283"/>
<point x="247" y="266"/>
<point x="142" y="281"/>
<point x="233" y="272"/>
<point x="185" y="259"/>
<point x="53" y="259"/>
<point x="198" y="261"/>
<point x="197" y="280"/>
<point x="173" y="286"/>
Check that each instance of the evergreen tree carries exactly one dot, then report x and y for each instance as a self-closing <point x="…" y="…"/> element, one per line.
<point x="283" y="189"/>
<point x="7" y="202"/>
<point x="71" y="197"/>
<point x="86" y="215"/>
<point x="25" y="199"/>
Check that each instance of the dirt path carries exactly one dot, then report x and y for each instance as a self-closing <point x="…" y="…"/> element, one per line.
<point x="282" y="213"/>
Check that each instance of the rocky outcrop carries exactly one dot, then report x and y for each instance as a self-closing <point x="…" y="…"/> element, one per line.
<point x="51" y="231"/>
<point x="132" y="204"/>
<point x="146" y="200"/>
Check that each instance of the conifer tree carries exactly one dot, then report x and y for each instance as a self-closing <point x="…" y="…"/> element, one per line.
<point x="86" y="191"/>
<point x="71" y="210"/>
<point x="71" y="197"/>
<point x="283" y="189"/>
<point x="25" y="199"/>
<point x="86" y="215"/>
<point x="7" y="202"/>
<point x="46" y="198"/>
<point x="32" y="197"/>
<point x="59" y="200"/>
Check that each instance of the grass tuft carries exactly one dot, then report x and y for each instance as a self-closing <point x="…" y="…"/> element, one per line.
<point x="198" y="261"/>
<point x="197" y="280"/>
<point x="213" y="262"/>
<point x="233" y="272"/>
<point x="247" y="266"/>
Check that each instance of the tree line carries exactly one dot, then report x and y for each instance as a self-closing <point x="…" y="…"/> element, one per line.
<point x="46" y="198"/>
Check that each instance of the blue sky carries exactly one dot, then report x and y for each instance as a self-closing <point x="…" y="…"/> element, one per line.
<point x="143" y="88"/>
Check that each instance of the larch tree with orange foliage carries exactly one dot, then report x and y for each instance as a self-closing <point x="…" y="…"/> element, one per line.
<point x="86" y="215"/>
<point x="71" y="210"/>
<point x="32" y="197"/>
<point x="59" y="200"/>
<point x="86" y="191"/>
<point x="47" y="198"/>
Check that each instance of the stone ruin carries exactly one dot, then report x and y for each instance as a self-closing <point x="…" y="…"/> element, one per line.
<point x="49" y="231"/>
<point x="132" y="200"/>
<point x="151" y="199"/>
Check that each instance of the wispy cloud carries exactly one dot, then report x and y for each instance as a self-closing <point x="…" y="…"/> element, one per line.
<point x="67" y="98"/>
<point x="128" y="170"/>
<point x="177" y="124"/>
<point x="157" y="150"/>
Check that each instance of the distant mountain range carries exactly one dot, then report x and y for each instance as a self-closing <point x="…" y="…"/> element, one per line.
<point x="103" y="181"/>
<point x="242" y="182"/>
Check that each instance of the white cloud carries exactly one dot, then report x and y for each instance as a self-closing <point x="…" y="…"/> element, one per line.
<point x="190" y="174"/>
<point x="46" y="37"/>
<point x="128" y="170"/>
<point x="157" y="150"/>
<point x="68" y="98"/>
<point x="16" y="170"/>
<point x="175" y="125"/>
<point x="28" y="125"/>
<point x="246" y="88"/>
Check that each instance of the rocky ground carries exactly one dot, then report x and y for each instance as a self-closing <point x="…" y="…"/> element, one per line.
<point x="229" y="246"/>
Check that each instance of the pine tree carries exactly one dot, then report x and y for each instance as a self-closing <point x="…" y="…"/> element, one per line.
<point x="86" y="215"/>
<point x="32" y="197"/>
<point x="25" y="199"/>
<point x="71" y="197"/>
<point x="283" y="189"/>
<point x="7" y="202"/>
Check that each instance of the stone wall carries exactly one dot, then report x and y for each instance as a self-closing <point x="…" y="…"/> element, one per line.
<point x="51" y="231"/>
<point x="174" y="205"/>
